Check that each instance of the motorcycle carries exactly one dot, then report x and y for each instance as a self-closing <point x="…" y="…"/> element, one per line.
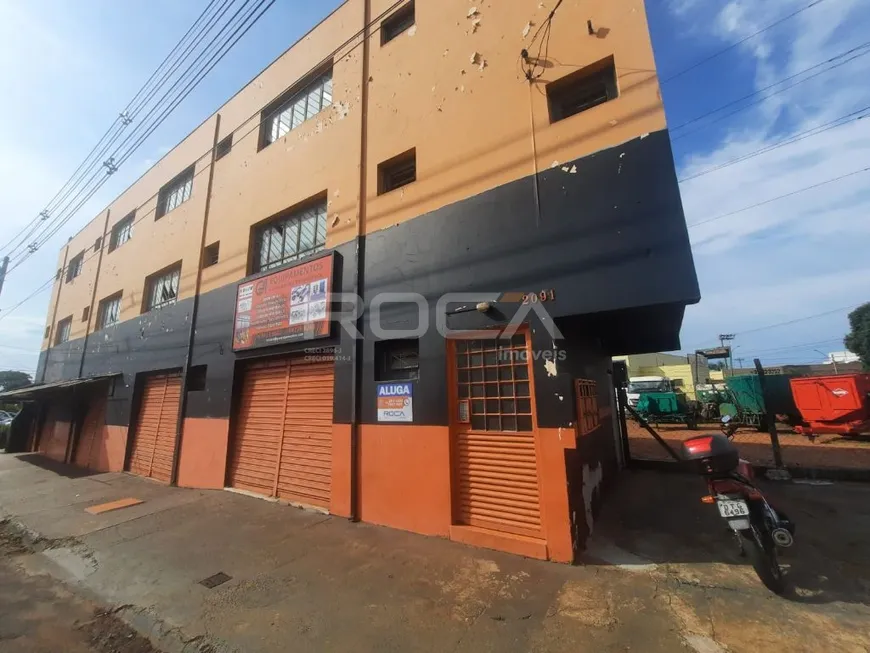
<point x="760" y="529"/>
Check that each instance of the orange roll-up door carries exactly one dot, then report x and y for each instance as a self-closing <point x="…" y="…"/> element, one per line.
<point x="154" y="435"/>
<point x="282" y="440"/>
<point x="91" y="437"/>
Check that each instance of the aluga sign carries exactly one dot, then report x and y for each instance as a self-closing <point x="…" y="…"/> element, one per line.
<point x="395" y="402"/>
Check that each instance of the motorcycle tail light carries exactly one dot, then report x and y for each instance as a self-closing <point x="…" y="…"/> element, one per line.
<point x="708" y="499"/>
<point x="700" y="445"/>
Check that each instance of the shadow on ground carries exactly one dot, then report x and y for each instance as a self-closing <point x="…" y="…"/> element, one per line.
<point x="659" y="519"/>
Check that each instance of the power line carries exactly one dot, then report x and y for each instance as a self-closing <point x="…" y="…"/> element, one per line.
<point x="740" y="42"/>
<point x="794" y="138"/>
<point x="777" y="83"/>
<point x="376" y="21"/>
<point x="780" y="197"/>
<point x="767" y="97"/>
<point x="90" y="160"/>
<point x="797" y="320"/>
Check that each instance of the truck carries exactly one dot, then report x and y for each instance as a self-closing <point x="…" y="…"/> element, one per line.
<point x="657" y="400"/>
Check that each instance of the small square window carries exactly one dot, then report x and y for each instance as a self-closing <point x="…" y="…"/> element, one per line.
<point x="47" y="332"/>
<point x="397" y="360"/>
<point x="211" y="255"/>
<point x="582" y="90"/>
<point x="196" y="378"/>
<point x="59" y="272"/>
<point x="98" y="243"/>
<point x="86" y="313"/>
<point x="74" y="268"/>
<point x="64" y="327"/>
<point x="397" y="172"/>
<point x="223" y="147"/>
<point x="400" y="21"/>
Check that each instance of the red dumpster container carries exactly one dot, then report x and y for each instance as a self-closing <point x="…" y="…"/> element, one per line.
<point x="833" y="404"/>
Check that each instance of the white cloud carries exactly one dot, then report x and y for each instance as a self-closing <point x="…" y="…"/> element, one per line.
<point x="807" y="253"/>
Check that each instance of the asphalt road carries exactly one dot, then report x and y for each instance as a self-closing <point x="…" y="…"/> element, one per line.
<point x="38" y="614"/>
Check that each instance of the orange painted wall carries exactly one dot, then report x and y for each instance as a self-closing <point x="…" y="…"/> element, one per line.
<point x="341" y="471"/>
<point x="203" y="459"/>
<point x="555" y="509"/>
<point x="405" y="477"/>
<point x="109" y="456"/>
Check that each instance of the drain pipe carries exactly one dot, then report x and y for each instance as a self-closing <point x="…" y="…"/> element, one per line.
<point x="191" y="331"/>
<point x="359" y="284"/>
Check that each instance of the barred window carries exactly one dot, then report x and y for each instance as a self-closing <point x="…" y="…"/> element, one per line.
<point x="588" y="411"/>
<point x="290" y="237"/>
<point x="175" y="193"/>
<point x="63" y="330"/>
<point x="302" y="105"/>
<point x="161" y="289"/>
<point x="74" y="268"/>
<point x="121" y="232"/>
<point x="109" y="312"/>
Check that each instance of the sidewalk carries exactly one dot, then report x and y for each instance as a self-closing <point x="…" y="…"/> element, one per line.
<point x="303" y="581"/>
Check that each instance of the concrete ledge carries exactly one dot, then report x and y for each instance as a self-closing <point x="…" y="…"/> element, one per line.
<point x="517" y="544"/>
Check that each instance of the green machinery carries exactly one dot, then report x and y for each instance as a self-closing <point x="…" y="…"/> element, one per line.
<point x="667" y="408"/>
<point x="748" y="405"/>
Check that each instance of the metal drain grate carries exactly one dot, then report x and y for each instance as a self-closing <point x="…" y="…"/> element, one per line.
<point x="213" y="581"/>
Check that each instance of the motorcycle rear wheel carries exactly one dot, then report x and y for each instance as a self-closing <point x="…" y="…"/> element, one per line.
<point x="765" y="561"/>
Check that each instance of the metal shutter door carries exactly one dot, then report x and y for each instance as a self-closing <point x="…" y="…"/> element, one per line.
<point x="495" y="451"/>
<point x="305" y="470"/>
<point x="154" y="437"/>
<point x="257" y="437"/>
<point x="90" y="438"/>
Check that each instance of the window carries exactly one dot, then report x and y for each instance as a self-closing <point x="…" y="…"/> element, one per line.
<point x="63" y="330"/>
<point x="47" y="332"/>
<point x="121" y="232"/>
<point x="161" y="289"/>
<point x="98" y="243"/>
<point x="223" y="147"/>
<point x="397" y="23"/>
<point x="74" y="268"/>
<point x="493" y="384"/>
<point x="290" y="237"/>
<point x="57" y="276"/>
<point x="175" y="193"/>
<point x="196" y="378"/>
<point x="588" y="416"/>
<point x="397" y="360"/>
<point x="287" y="114"/>
<point x="397" y="172"/>
<point x="86" y="313"/>
<point x="211" y="255"/>
<point x="582" y="90"/>
<point x="109" y="311"/>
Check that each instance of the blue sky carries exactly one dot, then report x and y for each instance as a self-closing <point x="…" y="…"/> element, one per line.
<point x="77" y="64"/>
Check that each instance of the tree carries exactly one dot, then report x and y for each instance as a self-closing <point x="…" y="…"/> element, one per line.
<point x="858" y="341"/>
<point x="716" y="366"/>
<point x="13" y="379"/>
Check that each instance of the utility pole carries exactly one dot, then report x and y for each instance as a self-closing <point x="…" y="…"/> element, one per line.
<point x="728" y="337"/>
<point x="3" y="265"/>
<point x="832" y="356"/>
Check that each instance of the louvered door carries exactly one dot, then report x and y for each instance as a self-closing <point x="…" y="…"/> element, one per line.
<point x="282" y="442"/>
<point x="495" y="452"/>
<point x="154" y="436"/>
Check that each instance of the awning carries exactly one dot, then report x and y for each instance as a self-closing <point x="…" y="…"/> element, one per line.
<point x="33" y="391"/>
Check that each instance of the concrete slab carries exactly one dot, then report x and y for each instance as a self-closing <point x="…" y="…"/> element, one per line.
<point x="662" y="574"/>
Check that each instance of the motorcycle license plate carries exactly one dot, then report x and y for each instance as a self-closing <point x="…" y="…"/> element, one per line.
<point x="733" y="508"/>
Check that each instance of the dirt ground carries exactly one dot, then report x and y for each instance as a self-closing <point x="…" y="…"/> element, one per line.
<point x="827" y="452"/>
<point x="38" y="614"/>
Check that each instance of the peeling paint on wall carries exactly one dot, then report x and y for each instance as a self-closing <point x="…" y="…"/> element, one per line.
<point x="550" y="366"/>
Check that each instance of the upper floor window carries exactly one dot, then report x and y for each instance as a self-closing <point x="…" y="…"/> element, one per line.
<point x="397" y="172"/>
<point x="290" y="237"/>
<point x="161" y="289"/>
<point x="63" y="330"/>
<point x="175" y="193"/>
<point x="287" y="114"/>
<point x="109" y="312"/>
<point x="223" y="147"/>
<point x="400" y="21"/>
<point x="121" y="232"/>
<point x="582" y="90"/>
<point x="74" y="267"/>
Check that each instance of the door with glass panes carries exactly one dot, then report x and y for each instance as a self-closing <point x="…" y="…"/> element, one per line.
<point x="496" y="484"/>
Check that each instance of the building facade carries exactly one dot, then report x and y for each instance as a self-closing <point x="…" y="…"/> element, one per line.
<point x="400" y="152"/>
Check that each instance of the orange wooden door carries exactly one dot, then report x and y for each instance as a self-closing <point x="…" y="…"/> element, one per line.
<point x="154" y="435"/>
<point x="495" y="477"/>
<point x="282" y="441"/>
<point x="54" y="437"/>
<point x="91" y="437"/>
